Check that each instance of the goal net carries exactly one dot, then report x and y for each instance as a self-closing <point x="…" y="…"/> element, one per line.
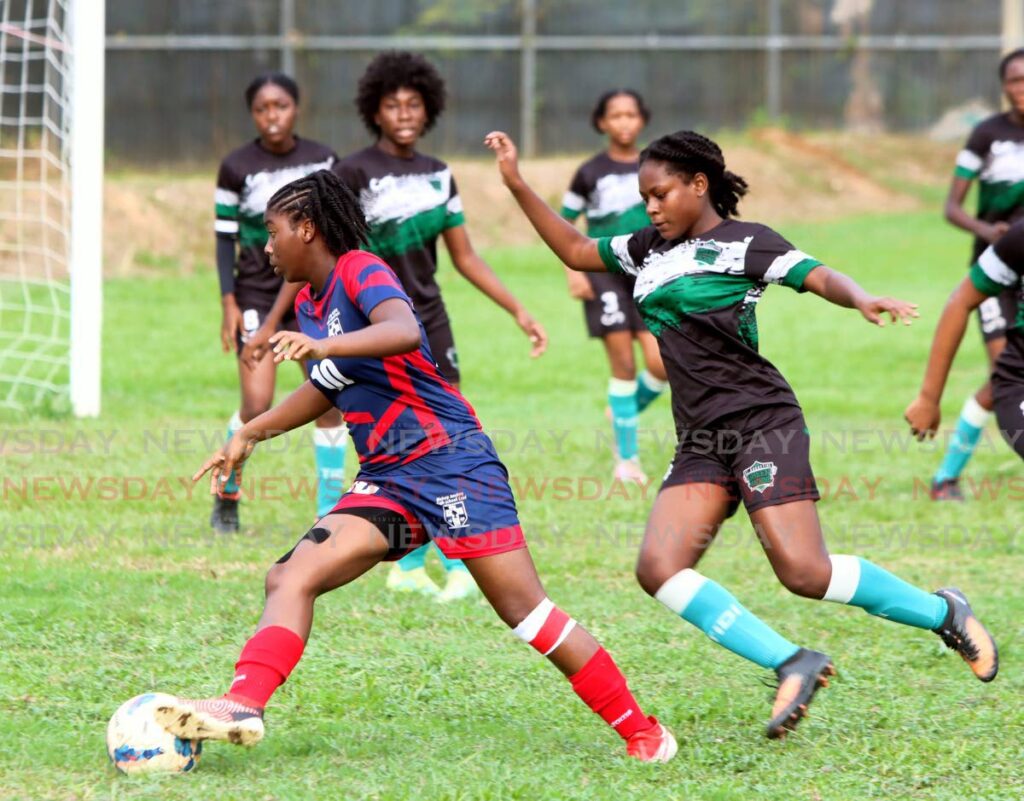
<point x="39" y="335"/>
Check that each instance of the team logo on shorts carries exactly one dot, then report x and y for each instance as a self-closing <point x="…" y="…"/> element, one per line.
<point x="334" y="323"/>
<point x="760" y="476"/>
<point x="454" y="508"/>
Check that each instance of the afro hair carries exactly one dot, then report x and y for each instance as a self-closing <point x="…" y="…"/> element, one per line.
<point x="394" y="70"/>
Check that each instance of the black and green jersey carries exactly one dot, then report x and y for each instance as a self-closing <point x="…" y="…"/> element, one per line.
<point x="408" y="204"/>
<point x="608" y="191"/>
<point x="698" y="296"/>
<point x="994" y="154"/>
<point x="247" y="179"/>
<point x="998" y="268"/>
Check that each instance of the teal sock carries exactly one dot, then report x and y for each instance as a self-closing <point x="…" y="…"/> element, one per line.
<point x="713" y="609"/>
<point x="973" y="418"/>
<point x="329" y="450"/>
<point x="414" y="559"/>
<point x="450" y="564"/>
<point x="231" y="486"/>
<point x="878" y="592"/>
<point x="648" y="389"/>
<point x="622" y="400"/>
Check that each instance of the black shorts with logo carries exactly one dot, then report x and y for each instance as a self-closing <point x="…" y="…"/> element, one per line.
<point x="997" y="314"/>
<point x="442" y="342"/>
<point x="612" y="308"/>
<point x="760" y="456"/>
<point x="255" y="307"/>
<point x="1008" y="392"/>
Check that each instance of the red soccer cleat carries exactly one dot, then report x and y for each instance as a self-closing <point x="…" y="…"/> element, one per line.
<point x="655" y="744"/>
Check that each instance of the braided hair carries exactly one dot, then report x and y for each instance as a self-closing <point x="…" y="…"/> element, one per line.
<point x="323" y="198"/>
<point x="690" y="153"/>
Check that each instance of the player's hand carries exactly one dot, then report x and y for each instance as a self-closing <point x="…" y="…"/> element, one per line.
<point x="899" y="311"/>
<point x="225" y="460"/>
<point x="534" y="330"/>
<point x="508" y="157"/>
<point x="256" y="346"/>
<point x="230" y="326"/>
<point x="295" y="346"/>
<point x="993" y="231"/>
<point x="924" y="417"/>
<point x="579" y="286"/>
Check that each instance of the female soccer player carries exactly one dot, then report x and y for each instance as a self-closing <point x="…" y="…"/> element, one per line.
<point x="427" y="472"/>
<point x="605" y="188"/>
<point x="994" y="154"/>
<point x="410" y="200"/>
<point x="248" y="285"/>
<point x="999" y="269"/>
<point x="699" y="274"/>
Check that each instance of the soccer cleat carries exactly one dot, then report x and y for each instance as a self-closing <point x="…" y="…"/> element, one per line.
<point x="655" y="744"/>
<point x="224" y="517"/>
<point x="459" y="585"/>
<point x="629" y="470"/>
<point x="947" y="490"/>
<point x="800" y="676"/>
<point x="963" y="632"/>
<point x="415" y="580"/>
<point x="211" y="719"/>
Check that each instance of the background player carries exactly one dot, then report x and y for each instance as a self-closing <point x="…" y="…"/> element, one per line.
<point x="994" y="155"/>
<point x="410" y="200"/>
<point x="430" y="472"/>
<point x="249" y="287"/>
<point x="998" y="269"/>
<point x="700" y="274"/>
<point x="604" y="188"/>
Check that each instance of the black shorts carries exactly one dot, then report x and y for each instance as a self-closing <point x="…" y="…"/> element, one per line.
<point x="761" y="457"/>
<point x="1008" y="399"/>
<point x="996" y="314"/>
<point x="612" y="308"/>
<point x="442" y="344"/>
<point x="255" y="309"/>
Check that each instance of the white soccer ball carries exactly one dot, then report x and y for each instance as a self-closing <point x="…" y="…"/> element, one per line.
<point x="136" y="743"/>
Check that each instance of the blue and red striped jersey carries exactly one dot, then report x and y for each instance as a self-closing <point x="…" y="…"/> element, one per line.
<point x="397" y="408"/>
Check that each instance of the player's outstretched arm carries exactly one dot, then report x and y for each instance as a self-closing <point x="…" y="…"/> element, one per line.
<point x="393" y="330"/>
<point x="840" y="289"/>
<point x="479" y="273"/>
<point x="303" y="406"/>
<point x="574" y="248"/>
<point x="923" y="413"/>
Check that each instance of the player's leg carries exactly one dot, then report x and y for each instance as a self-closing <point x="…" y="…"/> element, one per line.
<point x="340" y="548"/>
<point x="622" y="403"/>
<point x="652" y="380"/>
<point x="793" y="541"/>
<point x="256" y="385"/>
<point x="995" y="314"/>
<point x="510" y="583"/>
<point x="330" y="439"/>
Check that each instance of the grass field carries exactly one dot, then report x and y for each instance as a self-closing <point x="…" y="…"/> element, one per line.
<point x="110" y="583"/>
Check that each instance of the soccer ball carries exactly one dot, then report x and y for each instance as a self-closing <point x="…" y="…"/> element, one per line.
<point x="136" y="743"/>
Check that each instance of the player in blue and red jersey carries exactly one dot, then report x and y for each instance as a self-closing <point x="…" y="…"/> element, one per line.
<point x="427" y="472"/>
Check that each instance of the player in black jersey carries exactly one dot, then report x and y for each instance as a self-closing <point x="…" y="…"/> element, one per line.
<point x="605" y="189"/>
<point x="252" y="308"/>
<point x="699" y="275"/>
<point x="994" y="156"/>
<point x="410" y="200"/>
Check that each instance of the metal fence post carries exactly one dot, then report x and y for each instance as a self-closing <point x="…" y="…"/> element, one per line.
<point x="773" y="55"/>
<point x="287" y="30"/>
<point x="528" y="77"/>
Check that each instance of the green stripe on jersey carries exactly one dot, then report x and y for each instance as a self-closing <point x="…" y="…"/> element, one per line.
<point x="695" y="293"/>
<point x="569" y="214"/>
<point x="395" y="237"/>
<point x="963" y="172"/>
<point x="251" y="230"/>
<point x="1000" y="196"/>
<point x="797" y="274"/>
<point x="983" y="283"/>
<point x="623" y="222"/>
<point x="611" y="261"/>
<point x="230" y="212"/>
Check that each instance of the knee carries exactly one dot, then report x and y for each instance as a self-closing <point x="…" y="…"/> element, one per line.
<point x="515" y="610"/>
<point x="806" y="579"/>
<point x="652" y="572"/>
<point x="282" y="580"/>
<point x="254" y="407"/>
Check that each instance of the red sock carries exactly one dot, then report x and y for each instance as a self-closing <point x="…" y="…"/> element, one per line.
<point x="264" y="664"/>
<point x="603" y="688"/>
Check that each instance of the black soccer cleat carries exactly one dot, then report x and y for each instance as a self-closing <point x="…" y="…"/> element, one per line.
<point x="963" y="632"/>
<point x="800" y="676"/>
<point x="224" y="517"/>
<point x="947" y="490"/>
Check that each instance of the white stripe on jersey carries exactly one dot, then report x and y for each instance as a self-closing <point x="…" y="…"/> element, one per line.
<point x="573" y="202"/>
<point x="328" y="375"/>
<point x="1005" y="163"/>
<point x="996" y="269"/>
<point x="621" y="250"/>
<point x="225" y="226"/>
<point x="454" y="205"/>
<point x="400" y="197"/>
<point x="225" y="197"/>
<point x="780" y="268"/>
<point x="969" y="160"/>
<point x="614" y="194"/>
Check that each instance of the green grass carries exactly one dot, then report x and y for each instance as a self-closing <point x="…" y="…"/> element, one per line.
<point x="126" y="591"/>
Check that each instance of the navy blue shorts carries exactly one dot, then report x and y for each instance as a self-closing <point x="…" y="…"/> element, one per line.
<point x="457" y="496"/>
